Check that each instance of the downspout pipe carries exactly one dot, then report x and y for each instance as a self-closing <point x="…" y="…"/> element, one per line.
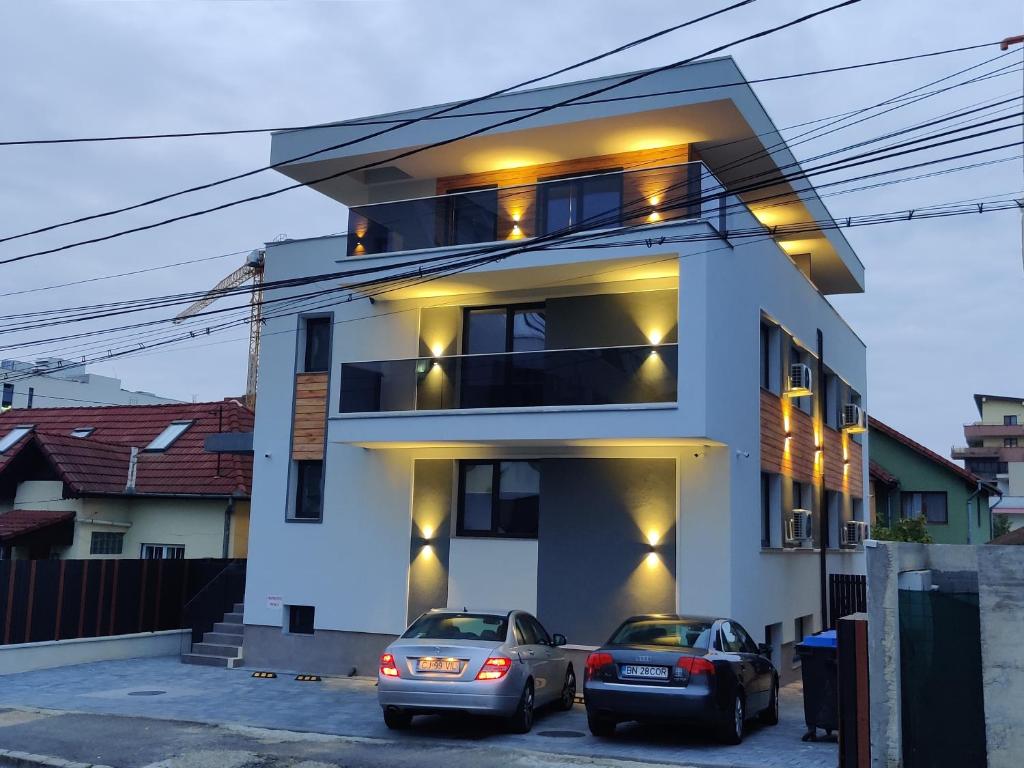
<point x="972" y="497"/>
<point x="823" y="521"/>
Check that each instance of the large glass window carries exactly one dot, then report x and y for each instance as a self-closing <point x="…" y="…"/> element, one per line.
<point x="318" y="344"/>
<point x="930" y="505"/>
<point x="766" y="509"/>
<point x="473" y="216"/>
<point x="499" y="498"/>
<point x="458" y="626"/>
<point x="493" y="378"/>
<point x="669" y="633"/>
<point x="593" y="202"/>
<point x="766" y="359"/>
<point x="308" y="490"/>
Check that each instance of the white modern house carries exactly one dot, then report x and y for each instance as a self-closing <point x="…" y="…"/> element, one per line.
<point x="58" y="383"/>
<point x="656" y="411"/>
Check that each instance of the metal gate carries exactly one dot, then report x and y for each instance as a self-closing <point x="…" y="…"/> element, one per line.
<point x="940" y="670"/>
<point x="847" y="593"/>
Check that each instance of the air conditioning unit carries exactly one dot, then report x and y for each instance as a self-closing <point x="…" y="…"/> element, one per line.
<point x="798" y="527"/>
<point x="854" y="532"/>
<point x="853" y="419"/>
<point x="799" y="381"/>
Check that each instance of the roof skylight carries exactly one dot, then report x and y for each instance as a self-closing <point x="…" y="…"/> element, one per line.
<point x="165" y="439"/>
<point x="14" y="436"/>
<point x="82" y="431"/>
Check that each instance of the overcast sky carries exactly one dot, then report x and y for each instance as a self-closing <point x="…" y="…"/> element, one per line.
<point x="941" y="313"/>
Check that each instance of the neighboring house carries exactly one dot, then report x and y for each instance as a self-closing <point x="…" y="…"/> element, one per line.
<point x="57" y="383"/>
<point x="909" y="480"/>
<point x="587" y="431"/>
<point x="995" y="452"/>
<point x="123" y="481"/>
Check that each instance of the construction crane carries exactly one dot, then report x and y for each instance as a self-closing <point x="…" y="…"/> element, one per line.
<point x="251" y="270"/>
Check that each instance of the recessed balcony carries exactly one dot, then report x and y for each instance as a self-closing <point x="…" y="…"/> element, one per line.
<point x="600" y="200"/>
<point x="980" y="430"/>
<point x="596" y="376"/>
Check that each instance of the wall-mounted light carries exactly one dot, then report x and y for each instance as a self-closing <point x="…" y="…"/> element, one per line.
<point x="428" y="532"/>
<point x="654" y="215"/>
<point x="515" y="224"/>
<point x="655" y="336"/>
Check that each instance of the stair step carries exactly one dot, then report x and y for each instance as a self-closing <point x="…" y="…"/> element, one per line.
<point x="207" y="661"/>
<point x="239" y="607"/>
<point x="223" y="638"/>
<point x="210" y="649"/>
<point x="227" y="628"/>
<point x="232" y="618"/>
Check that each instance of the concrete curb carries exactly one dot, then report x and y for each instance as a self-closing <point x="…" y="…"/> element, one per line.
<point x="9" y="757"/>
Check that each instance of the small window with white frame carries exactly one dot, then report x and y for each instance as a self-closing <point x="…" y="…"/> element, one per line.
<point x="162" y="552"/>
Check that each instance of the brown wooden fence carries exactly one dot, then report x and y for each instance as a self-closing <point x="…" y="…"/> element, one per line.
<point x="847" y="593"/>
<point x="62" y="599"/>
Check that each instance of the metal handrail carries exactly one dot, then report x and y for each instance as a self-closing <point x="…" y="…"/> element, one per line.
<point x="427" y="358"/>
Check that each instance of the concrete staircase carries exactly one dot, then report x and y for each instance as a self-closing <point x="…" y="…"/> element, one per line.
<point x="223" y="646"/>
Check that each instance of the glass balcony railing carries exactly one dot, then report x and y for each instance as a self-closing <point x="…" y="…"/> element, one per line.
<point x="600" y="200"/>
<point x="557" y="377"/>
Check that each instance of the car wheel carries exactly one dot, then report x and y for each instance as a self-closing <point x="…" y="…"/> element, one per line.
<point x="396" y="719"/>
<point x="522" y="720"/>
<point x="770" y="715"/>
<point x="602" y="727"/>
<point x="568" y="691"/>
<point x="731" y="728"/>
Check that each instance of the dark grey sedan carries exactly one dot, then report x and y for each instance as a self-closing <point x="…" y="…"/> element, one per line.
<point x="681" y="668"/>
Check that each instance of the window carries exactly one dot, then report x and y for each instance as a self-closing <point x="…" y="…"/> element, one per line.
<point x="105" y="543"/>
<point x="318" y="344"/>
<point x="592" y="202"/>
<point x="308" y="490"/>
<point x="1009" y="442"/>
<point x="82" y="431"/>
<point x="499" y="498"/>
<point x="494" y="330"/>
<point x="766" y="356"/>
<point x="473" y="216"/>
<point x="766" y="509"/>
<point x="31" y="396"/>
<point x="1009" y="421"/>
<point x="8" y="396"/>
<point x="166" y="439"/>
<point x="930" y="505"/>
<point x="525" y="634"/>
<point x="14" y="436"/>
<point x="732" y="641"/>
<point x="162" y="552"/>
<point x="458" y="626"/>
<point x="300" y="619"/>
<point x="669" y="633"/>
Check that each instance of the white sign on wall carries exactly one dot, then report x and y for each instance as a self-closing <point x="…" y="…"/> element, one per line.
<point x="274" y="602"/>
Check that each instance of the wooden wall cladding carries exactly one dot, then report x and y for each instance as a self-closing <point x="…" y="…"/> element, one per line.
<point x="521" y="202"/>
<point x="310" y="419"/>
<point x="797" y="461"/>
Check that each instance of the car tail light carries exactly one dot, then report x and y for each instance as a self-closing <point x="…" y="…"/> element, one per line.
<point x="494" y="668"/>
<point x="597" y="661"/>
<point x="695" y="665"/>
<point x="388" y="668"/>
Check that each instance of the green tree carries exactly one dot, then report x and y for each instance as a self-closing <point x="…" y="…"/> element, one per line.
<point x="1000" y="525"/>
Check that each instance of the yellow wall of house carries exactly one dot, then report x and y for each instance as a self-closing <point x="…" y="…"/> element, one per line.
<point x="239" y="546"/>
<point x="992" y="411"/>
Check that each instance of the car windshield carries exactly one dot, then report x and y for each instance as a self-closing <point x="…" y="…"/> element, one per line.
<point x="669" y="633"/>
<point x="458" y="626"/>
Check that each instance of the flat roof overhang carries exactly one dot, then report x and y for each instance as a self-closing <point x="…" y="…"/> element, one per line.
<point x="716" y="112"/>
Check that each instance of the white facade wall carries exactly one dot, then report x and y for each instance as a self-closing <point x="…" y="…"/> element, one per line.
<point x="87" y="390"/>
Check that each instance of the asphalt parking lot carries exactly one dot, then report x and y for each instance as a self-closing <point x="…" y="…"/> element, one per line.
<point x="163" y="689"/>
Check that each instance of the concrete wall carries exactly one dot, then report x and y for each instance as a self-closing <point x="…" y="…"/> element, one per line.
<point x="598" y="520"/>
<point x="26" y="657"/>
<point x="1000" y="581"/>
<point x="54" y="392"/>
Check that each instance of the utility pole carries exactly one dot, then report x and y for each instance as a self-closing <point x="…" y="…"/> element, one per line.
<point x="1005" y="46"/>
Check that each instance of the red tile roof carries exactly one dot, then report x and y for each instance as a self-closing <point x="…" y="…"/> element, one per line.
<point x="929" y="454"/>
<point x="18" y="522"/>
<point x="98" y="464"/>
<point x="878" y="472"/>
<point x="1013" y="537"/>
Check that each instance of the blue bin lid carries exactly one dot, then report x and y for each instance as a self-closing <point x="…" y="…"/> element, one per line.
<point x="826" y="639"/>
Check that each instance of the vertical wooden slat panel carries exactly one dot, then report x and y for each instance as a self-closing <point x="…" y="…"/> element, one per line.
<point x="10" y="602"/>
<point x="60" y="600"/>
<point x="99" y="602"/>
<point x="31" y="600"/>
<point x="81" y="603"/>
<point x="309" y="421"/>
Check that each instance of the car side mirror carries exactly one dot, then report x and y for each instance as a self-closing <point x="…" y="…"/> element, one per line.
<point x="557" y="640"/>
<point x="765" y="650"/>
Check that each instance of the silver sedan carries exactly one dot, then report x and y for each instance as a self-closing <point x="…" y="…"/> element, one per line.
<point x="482" y="662"/>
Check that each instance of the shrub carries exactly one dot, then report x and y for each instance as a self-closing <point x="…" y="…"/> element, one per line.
<point x="909" y="529"/>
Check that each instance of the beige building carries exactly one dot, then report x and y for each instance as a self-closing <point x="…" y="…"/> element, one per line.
<point x="123" y="482"/>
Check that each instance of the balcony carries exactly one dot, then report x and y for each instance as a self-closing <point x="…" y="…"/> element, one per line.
<point x="1007" y="453"/>
<point x="980" y="430"/>
<point x="601" y="200"/>
<point x="561" y="377"/>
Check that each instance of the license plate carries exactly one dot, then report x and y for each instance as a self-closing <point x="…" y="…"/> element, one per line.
<point x="644" y="672"/>
<point x="439" y="665"/>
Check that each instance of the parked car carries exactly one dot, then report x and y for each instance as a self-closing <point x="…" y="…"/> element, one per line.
<point x="681" y="668"/>
<point x="481" y="662"/>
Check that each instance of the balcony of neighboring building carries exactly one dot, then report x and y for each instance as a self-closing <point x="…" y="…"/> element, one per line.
<point x="981" y="430"/>
<point x="995" y="452"/>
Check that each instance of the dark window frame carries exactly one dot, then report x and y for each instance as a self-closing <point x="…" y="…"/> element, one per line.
<point x="945" y="496"/>
<point x="766" y="356"/>
<point x="7" y="398"/>
<point x="493" y="533"/>
<point x="510" y="316"/>
<point x="299" y="469"/>
<point x="109" y="536"/>
<point x="1010" y="420"/>
<point x="576" y="182"/>
<point x="298" y="610"/>
<point x="1009" y="442"/>
<point x="309" y="365"/>
<point x="450" y="224"/>
<point x="766" y="510"/>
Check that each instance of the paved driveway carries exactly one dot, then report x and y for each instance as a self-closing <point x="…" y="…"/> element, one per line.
<point x="165" y="689"/>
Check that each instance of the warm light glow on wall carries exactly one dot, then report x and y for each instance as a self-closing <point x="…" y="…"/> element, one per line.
<point x="793" y="247"/>
<point x="437" y="349"/>
<point x="428" y="532"/>
<point x="655" y="335"/>
<point x="652" y="559"/>
<point x="653" y="537"/>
